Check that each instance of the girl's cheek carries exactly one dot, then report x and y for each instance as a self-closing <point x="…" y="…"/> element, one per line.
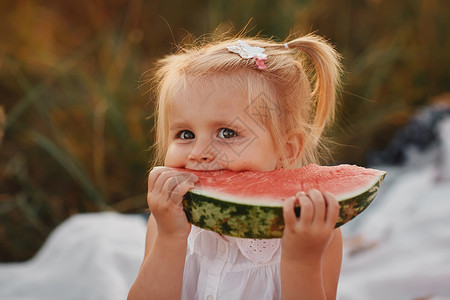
<point x="175" y="156"/>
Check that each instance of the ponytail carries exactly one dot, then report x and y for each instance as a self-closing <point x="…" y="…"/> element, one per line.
<point x="327" y="67"/>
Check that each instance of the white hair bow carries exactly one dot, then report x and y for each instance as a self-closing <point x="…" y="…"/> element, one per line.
<point x="248" y="52"/>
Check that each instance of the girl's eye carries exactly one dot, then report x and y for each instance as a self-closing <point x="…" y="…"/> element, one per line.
<point x="227" y="133"/>
<point x="186" y="135"/>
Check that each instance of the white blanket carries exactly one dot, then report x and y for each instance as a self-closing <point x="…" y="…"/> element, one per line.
<point x="89" y="256"/>
<point x="399" y="248"/>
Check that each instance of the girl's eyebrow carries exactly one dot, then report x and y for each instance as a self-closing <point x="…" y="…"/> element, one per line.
<point x="225" y="123"/>
<point x="177" y="125"/>
<point x="235" y="125"/>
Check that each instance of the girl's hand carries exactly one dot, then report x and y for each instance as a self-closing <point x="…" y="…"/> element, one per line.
<point x="166" y="188"/>
<point x="306" y="238"/>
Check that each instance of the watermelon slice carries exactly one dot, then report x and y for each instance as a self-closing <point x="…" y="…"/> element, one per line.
<point x="248" y="204"/>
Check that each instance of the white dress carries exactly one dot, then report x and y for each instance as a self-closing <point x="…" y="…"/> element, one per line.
<point x="228" y="268"/>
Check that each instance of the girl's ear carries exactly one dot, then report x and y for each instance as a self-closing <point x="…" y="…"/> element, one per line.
<point x="294" y="147"/>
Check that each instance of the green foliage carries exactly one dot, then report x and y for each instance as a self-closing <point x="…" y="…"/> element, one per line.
<point x="76" y="126"/>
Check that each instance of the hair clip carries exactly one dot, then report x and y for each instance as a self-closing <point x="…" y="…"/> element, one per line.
<point x="248" y="52"/>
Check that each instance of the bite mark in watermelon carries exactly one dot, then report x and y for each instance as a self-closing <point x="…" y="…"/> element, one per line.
<point x="248" y="204"/>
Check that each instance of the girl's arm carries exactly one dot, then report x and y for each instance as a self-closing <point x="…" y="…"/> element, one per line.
<point x="161" y="273"/>
<point x="312" y="248"/>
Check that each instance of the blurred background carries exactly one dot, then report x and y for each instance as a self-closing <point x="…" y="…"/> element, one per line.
<point x="76" y="119"/>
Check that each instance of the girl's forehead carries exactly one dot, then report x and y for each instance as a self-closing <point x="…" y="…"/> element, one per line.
<point x="243" y="84"/>
<point x="208" y="91"/>
<point x="211" y="98"/>
<point x="211" y="84"/>
<point x="219" y="92"/>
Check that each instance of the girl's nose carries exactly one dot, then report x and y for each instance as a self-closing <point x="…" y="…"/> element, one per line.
<point x="202" y="153"/>
<point x="202" y="157"/>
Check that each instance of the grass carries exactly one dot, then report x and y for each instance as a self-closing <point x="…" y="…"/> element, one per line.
<point x="75" y="126"/>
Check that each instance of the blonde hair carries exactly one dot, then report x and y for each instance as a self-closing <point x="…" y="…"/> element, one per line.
<point x="299" y="84"/>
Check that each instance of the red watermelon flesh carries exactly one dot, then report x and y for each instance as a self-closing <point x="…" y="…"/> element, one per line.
<point x="273" y="186"/>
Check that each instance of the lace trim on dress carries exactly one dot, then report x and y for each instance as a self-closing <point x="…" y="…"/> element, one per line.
<point x="260" y="251"/>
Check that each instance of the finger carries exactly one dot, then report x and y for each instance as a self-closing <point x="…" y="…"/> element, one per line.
<point x="179" y="192"/>
<point x="155" y="180"/>
<point x="288" y="212"/>
<point x="176" y="184"/>
<point x="307" y="208"/>
<point x="300" y="194"/>
<point x="170" y="173"/>
<point x="181" y="175"/>
<point x="158" y="170"/>
<point x="160" y="187"/>
<point x="153" y="176"/>
<point x="159" y="167"/>
<point x="297" y="209"/>
<point x="319" y="205"/>
<point x="189" y="176"/>
<point x="172" y="182"/>
<point x="332" y="209"/>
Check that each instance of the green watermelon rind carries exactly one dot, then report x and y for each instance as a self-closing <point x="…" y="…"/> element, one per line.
<point x="259" y="221"/>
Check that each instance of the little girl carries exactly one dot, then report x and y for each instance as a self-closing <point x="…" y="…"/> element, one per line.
<point x="247" y="104"/>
